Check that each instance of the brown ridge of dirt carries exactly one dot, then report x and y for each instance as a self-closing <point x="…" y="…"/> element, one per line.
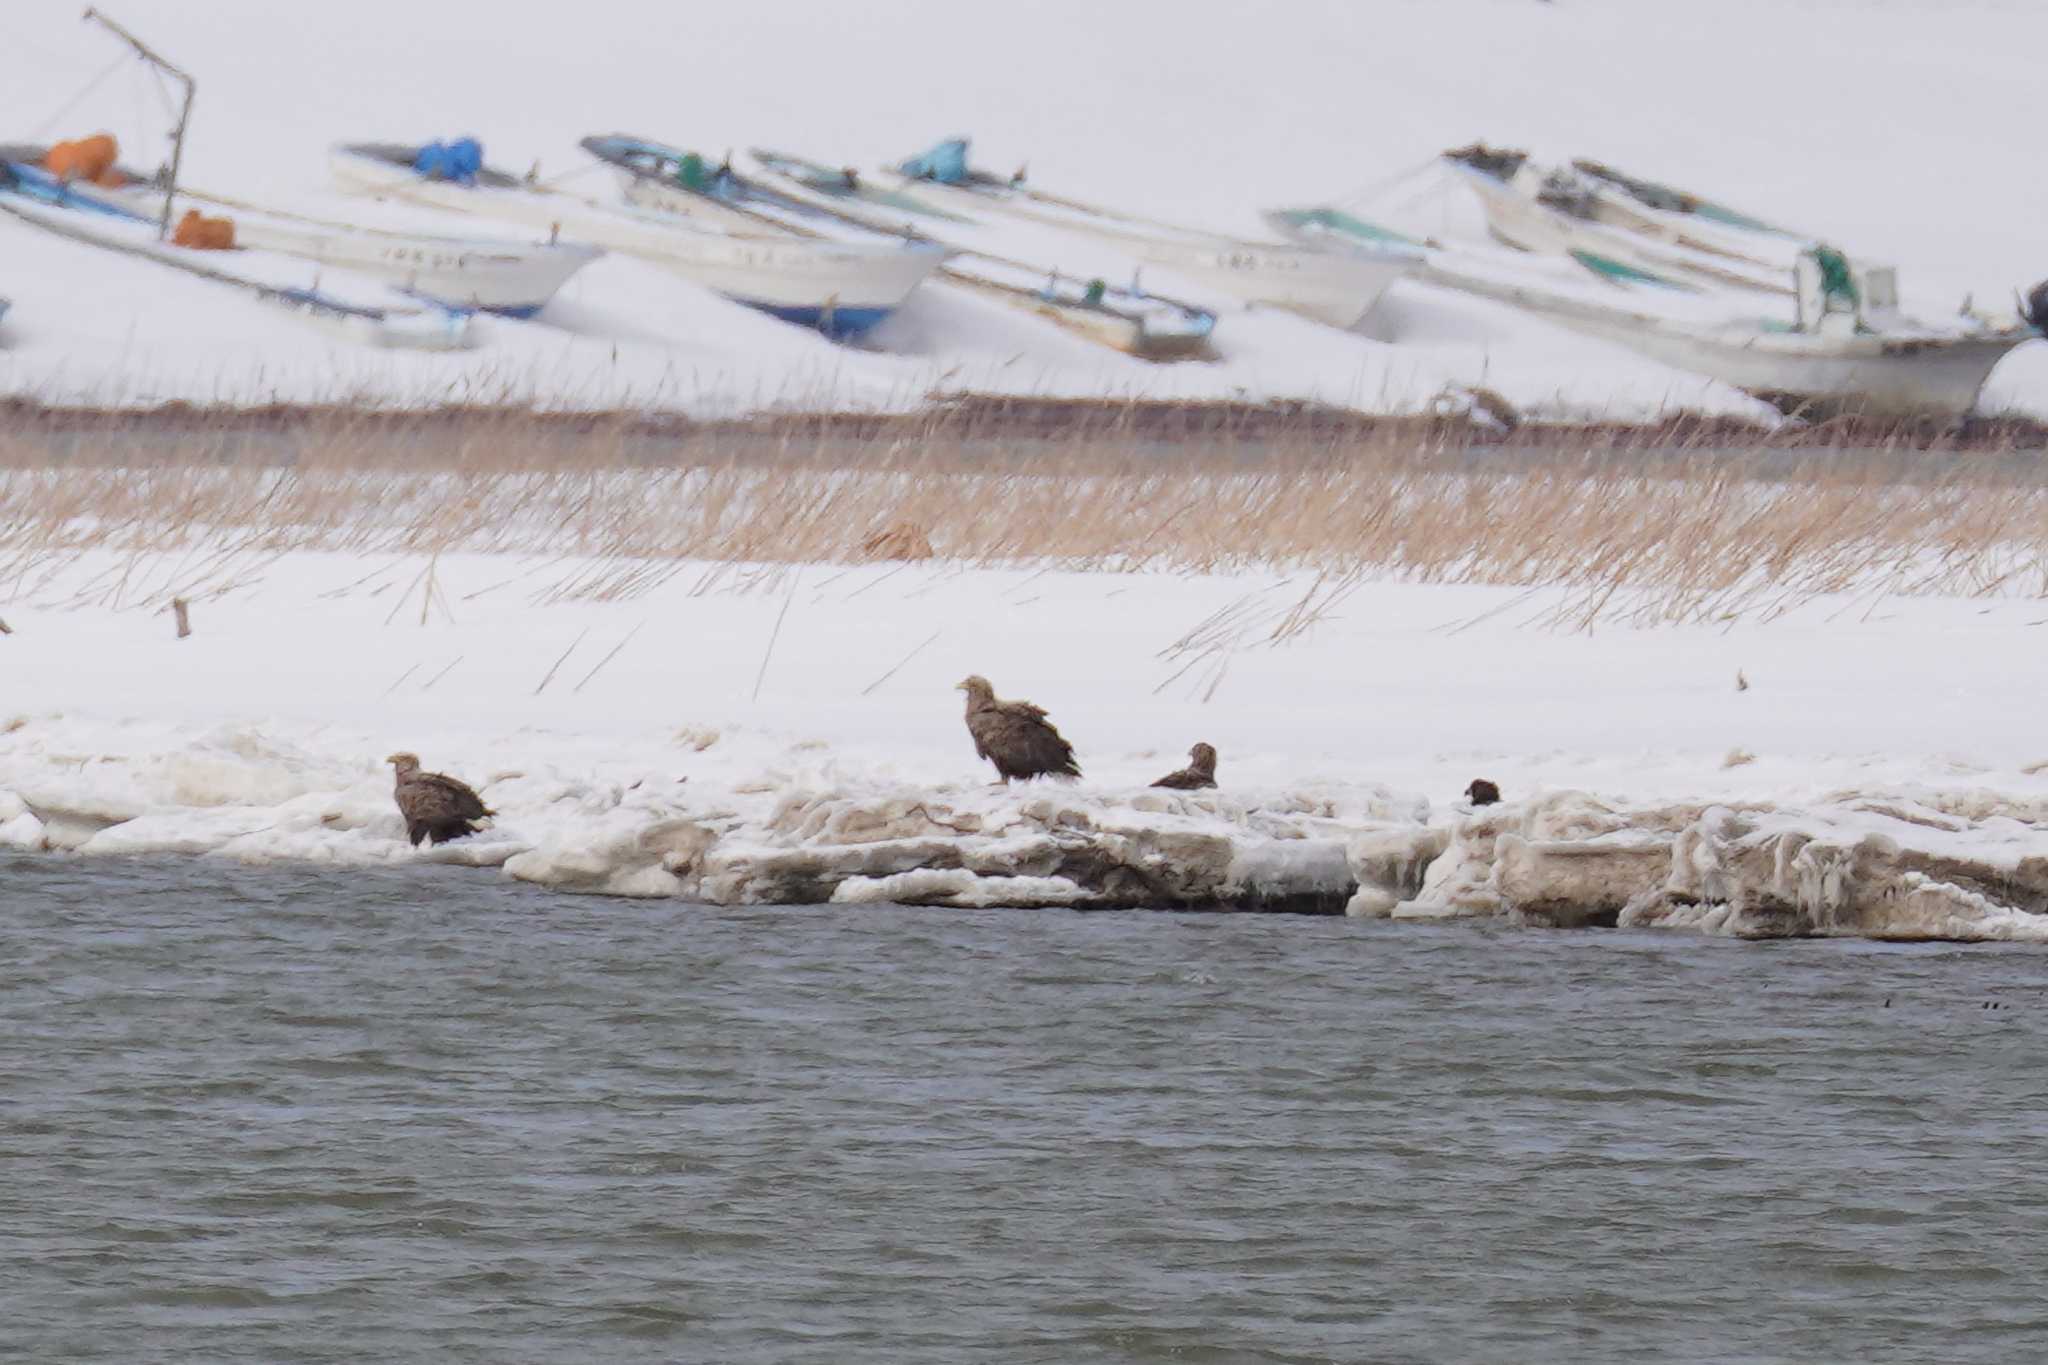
<point x="1043" y="419"/>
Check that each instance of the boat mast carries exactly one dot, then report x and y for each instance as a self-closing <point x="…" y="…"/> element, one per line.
<point x="92" y="15"/>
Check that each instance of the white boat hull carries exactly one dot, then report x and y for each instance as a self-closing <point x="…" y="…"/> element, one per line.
<point x="1864" y="373"/>
<point x="360" y="308"/>
<point x="843" y="286"/>
<point x="1328" y="288"/>
<point x="1140" y="325"/>
<point x="499" y="276"/>
<point x="513" y="279"/>
<point x="887" y="272"/>
<point x="1337" y="290"/>
<point x="1879" y="379"/>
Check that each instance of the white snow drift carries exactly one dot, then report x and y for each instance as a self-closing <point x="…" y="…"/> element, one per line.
<point x="804" y="743"/>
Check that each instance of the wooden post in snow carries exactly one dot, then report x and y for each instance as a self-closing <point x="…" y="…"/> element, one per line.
<point x="178" y="609"/>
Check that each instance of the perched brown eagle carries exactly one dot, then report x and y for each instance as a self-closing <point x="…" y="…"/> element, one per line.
<point x="1015" y="735"/>
<point x="1200" y="772"/>
<point x="436" y="807"/>
<point x="1482" y="792"/>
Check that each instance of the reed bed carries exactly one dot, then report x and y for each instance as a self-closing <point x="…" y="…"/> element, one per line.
<point x="1676" y="524"/>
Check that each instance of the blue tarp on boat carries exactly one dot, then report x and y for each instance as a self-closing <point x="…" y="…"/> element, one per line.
<point x="458" y="160"/>
<point x="945" y="163"/>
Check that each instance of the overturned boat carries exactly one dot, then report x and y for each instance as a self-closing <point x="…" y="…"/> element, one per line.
<point x="1338" y="290"/>
<point x="810" y="199"/>
<point x="355" y="306"/>
<point x="840" y="289"/>
<point x="493" y="275"/>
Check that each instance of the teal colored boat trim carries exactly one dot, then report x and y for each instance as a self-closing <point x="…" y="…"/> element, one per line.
<point x="1336" y="220"/>
<point x="1608" y="268"/>
<point x="841" y="183"/>
<point x="1729" y="217"/>
<point x="1669" y="200"/>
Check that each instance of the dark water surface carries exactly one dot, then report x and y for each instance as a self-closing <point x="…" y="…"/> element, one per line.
<point x="421" y="1114"/>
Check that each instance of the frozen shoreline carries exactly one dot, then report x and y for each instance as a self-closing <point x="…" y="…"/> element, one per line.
<point x="1956" y="863"/>
<point x="1872" y="778"/>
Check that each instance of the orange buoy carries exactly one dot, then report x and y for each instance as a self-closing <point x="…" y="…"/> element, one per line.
<point x="87" y="158"/>
<point x="197" y="231"/>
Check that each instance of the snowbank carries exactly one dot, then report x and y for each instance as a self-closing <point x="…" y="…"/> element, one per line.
<point x="775" y="840"/>
<point x="1959" y="864"/>
<point x="802" y="742"/>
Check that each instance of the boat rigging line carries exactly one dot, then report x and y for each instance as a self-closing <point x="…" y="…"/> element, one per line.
<point x="162" y="68"/>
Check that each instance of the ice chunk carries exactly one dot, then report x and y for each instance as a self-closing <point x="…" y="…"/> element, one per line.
<point x="1389" y="865"/>
<point x="625" y="854"/>
<point x="958" y="886"/>
<point x="25" y="832"/>
<point x="1867" y="868"/>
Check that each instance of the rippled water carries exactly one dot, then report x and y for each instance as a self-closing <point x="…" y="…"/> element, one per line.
<point x="421" y="1114"/>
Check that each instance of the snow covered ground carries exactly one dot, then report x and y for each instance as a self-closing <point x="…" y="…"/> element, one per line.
<point x="801" y="741"/>
<point x="1902" y="129"/>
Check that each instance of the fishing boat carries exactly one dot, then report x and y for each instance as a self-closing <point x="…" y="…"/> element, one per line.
<point x="840" y="289"/>
<point x="1667" y="201"/>
<point x="494" y="275"/>
<point x="886" y="208"/>
<point x="78" y="197"/>
<point x="357" y="307"/>
<point x="1845" y="347"/>
<point x="1559" y="212"/>
<point x="1338" y="290"/>
<point x="809" y="200"/>
<point x="1904" y="371"/>
<point x="1329" y="228"/>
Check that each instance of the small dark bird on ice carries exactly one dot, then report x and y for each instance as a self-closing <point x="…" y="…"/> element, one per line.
<point x="1015" y="735"/>
<point x="1200" y="772"/>
<point x="1482" y="792"/>
<point x="436" y="807"/>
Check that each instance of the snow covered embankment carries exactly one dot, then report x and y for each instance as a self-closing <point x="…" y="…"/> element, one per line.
<point x="1951" y="865"/>
<point x="802" y="837"/>
<point x="1948" y="865"/>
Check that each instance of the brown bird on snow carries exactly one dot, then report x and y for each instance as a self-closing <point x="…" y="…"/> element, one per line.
<point x="436" y="807"/>
<point x="1200" y="772"/>
<point x="1015" y="735"/>
<point x="1482" y="792"/>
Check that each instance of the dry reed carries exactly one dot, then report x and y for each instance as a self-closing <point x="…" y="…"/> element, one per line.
<point x="1680" y="524"/>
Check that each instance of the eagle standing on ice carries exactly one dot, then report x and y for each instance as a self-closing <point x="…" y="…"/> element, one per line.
<point x="1200" y="772"/>
<point x="1015" y="735"/>
<point x="436" y="807"/>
